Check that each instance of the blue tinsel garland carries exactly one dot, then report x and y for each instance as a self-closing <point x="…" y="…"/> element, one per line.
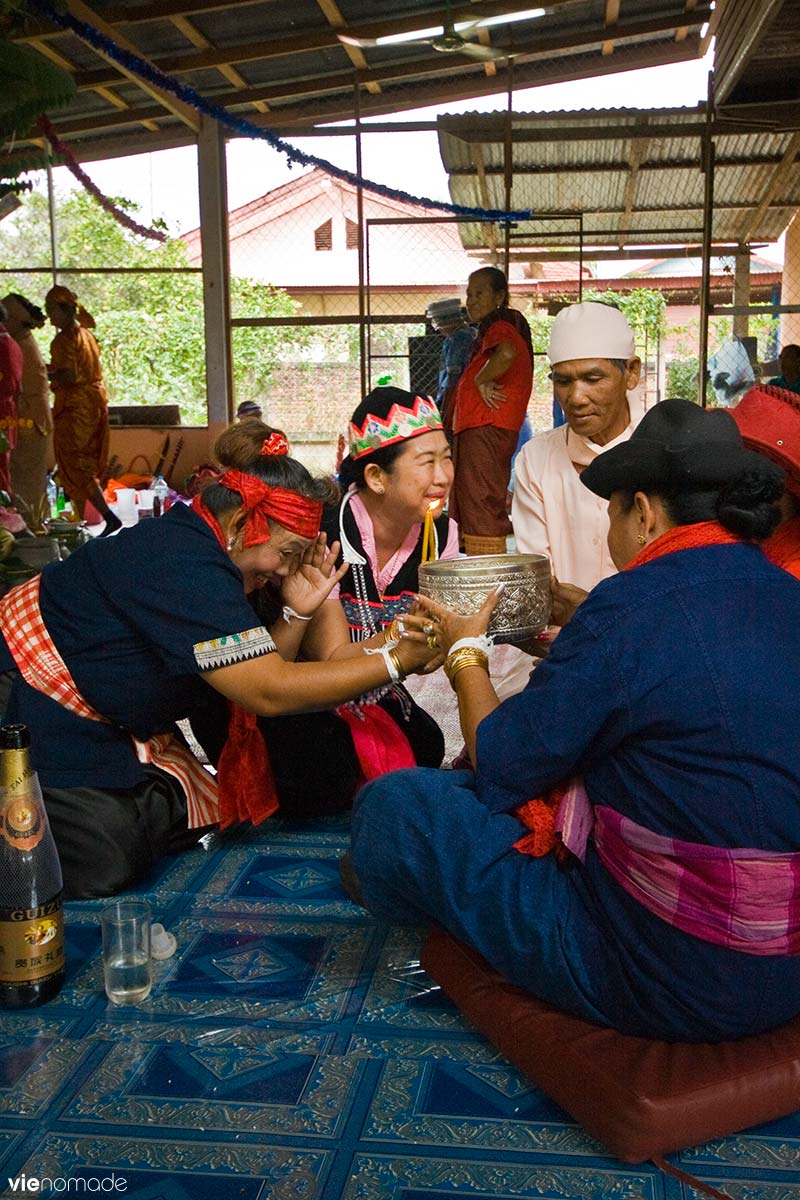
<point x="245" y="128"/>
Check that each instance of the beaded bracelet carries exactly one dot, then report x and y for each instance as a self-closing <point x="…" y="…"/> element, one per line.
<point x="287" y="613"/>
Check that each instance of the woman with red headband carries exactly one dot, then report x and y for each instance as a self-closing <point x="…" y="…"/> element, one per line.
<point x="113" y="646"/>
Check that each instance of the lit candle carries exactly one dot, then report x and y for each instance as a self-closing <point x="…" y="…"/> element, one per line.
<point x="428" y="540"/>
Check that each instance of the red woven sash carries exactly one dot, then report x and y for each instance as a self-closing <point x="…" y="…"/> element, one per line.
<point x="43" y="668"/>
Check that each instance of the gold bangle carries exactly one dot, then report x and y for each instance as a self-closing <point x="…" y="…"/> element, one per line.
<point x="398" y="666"/>
<point x="467" y="657"/>
<point x="462" y="666"/>
<point x="392" y="632"/>
<point x="465" y="652"/>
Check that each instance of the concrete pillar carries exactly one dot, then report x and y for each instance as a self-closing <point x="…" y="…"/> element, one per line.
<point x="213" y="187"/>
<point x="790" y="289"/>
<point x="741" y="290"/>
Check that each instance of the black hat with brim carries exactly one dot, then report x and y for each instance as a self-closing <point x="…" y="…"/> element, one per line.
<point x="677" y="444"/>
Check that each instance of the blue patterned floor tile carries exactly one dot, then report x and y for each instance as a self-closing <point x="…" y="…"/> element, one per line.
<point x="399" y="1177"/>
<point x="267" y="1084"/>
<point x="472" y="1104"/>
<point x="765" y="1148"/>
<point x="283" y="879"/>
<point x="245" y="968"/>
<point x="172" y="877"/>
<point x="37" y="1056"/>
<point x="401" y="994"/>
<point x="154" y="1169"/>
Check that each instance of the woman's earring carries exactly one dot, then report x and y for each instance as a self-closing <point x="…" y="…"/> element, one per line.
<point x="230" y="543"/>
<point x="641" y="539"/>
<point x="380" y="489"/>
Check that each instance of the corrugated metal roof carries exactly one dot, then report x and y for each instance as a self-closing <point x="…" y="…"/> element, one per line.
<point x="629" y="175"/>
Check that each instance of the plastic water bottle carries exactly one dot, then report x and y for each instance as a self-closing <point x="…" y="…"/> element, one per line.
<point x="52" y="496"/>
<point x="160" y="491"/>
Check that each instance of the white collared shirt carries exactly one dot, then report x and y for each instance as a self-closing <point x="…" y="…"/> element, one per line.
<point x="554" y="514"/>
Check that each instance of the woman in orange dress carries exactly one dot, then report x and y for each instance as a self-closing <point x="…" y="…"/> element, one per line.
<point x="80" y="411"/>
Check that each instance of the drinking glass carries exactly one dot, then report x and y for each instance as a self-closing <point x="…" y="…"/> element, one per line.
<point x="127" y="969"/>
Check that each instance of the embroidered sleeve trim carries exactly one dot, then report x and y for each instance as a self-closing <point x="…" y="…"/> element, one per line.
<point x="232" y="648"/>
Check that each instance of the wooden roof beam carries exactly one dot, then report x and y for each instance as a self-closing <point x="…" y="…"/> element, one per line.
<point x="331" y="12"/>
<point x="82" y="12"/>
<point x="682" y="30"/>
<point x="611" y="18"/>
<point x="464" y="83"/>
<point x="197" y="39"/>
<point x="489" y="230"/>
<point x="639" y="150"/>
<point x="106" y="93"/>
<point x="751" y="223"/>
<point x="542" y="46"/>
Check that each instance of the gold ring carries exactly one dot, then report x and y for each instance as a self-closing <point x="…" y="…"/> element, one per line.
<point x="432" y="641"/>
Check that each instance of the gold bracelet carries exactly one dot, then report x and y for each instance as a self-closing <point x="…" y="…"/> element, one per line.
<point x="392" y="632"/>
<point x="398" y="666"/>
<point x="467" y="657"/>
<point x="462" y="666"/>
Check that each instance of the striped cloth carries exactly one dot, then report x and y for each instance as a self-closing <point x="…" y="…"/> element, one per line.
<point x="746" y="900"/>
<point x="43" y="668"/>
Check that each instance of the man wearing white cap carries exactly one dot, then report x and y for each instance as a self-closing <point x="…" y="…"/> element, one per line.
<point x="594" y="366"/>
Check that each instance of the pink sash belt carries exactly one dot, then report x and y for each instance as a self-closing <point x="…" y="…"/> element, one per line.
<point x="747" y="900"/>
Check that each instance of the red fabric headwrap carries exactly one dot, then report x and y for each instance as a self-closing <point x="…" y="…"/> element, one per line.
<point x="296" y="513"/>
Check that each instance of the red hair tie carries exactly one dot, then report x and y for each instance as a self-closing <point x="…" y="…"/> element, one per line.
<point x="276" y="444"/>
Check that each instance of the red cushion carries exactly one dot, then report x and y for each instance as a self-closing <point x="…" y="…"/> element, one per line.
<point x="640" y="1098"/>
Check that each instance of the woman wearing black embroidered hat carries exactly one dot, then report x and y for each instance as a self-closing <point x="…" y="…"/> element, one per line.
<point x="654" y="739"/>
<point x="396" y="477"/>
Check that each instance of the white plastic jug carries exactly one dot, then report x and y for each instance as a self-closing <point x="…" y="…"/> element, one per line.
<point x="127" y="511"/>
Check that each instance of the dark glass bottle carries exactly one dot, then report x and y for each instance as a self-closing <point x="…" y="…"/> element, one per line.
<point x="31" y="916"/>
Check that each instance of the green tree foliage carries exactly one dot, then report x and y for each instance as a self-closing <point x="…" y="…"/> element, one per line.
<point x="149" y="326"/>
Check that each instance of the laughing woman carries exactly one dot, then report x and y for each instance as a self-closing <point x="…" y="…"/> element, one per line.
<point x="398" y="471"/>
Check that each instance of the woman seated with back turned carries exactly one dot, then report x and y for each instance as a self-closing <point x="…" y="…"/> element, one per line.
<point x="399" y="468"/>
<point x="660" y="718"/>
<point x="112" y="646"/>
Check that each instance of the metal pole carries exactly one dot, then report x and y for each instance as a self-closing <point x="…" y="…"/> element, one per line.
<point x="51" y="209"/>
<point x="508" y="162"/>
<point x="363" y="348"/>
<point x="708" y="152"/>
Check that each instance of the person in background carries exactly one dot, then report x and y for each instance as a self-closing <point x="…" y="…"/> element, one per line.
<point x="80" y="410"/>
<point x="768" y="419"/>
<point x="397" y="477"/>
<point x="594" y="368"/>
<point x="111" y="647"/>
<point x="248" y="410"/>
<point x="31" y="457"/>
<point x="447" y="318"/>
<point x="490" y="404"/>
<point x="10" y="381"/>
<point x="655" y="738"/>
<point x="789" y="378"/>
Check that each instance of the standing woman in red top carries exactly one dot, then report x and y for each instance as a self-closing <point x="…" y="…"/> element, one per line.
<point x="489" y="408"/>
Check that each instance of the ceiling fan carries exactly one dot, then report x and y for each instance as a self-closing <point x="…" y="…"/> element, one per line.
<point x="449" y="37"/>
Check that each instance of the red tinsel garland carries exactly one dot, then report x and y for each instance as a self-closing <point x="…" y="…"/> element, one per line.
<point x="71" y="163"/>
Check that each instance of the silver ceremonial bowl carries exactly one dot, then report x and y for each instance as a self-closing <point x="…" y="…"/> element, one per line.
<point x="462" y="584"/>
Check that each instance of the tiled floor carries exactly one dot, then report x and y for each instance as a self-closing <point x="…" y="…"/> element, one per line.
<point x="293" y="1049"/>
